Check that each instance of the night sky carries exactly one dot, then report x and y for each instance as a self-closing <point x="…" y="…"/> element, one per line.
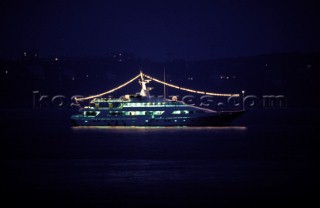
<point x="159" y="30"/>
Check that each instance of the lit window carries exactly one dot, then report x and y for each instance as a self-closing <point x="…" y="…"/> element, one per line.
<point x="91" y="113"/>
<point x="158" y="112"/>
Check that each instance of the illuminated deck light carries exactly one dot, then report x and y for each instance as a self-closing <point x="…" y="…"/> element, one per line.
<point x="161" y="82"/>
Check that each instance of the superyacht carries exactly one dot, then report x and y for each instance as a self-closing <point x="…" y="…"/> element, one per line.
<point x="144" y="110"/>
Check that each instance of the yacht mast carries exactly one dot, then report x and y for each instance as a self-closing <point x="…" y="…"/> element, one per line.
<point x="144" y="90"/>
<point x="164" y="80"/>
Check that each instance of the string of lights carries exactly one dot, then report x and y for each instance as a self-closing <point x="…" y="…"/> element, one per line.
<point x="159" y="81"/>
<point x="108" y="92"/>
<point x="190" y="90"/>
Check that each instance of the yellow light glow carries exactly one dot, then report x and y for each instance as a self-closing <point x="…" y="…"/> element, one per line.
<point x="159" y="81"/>
<point x="104" y="93"/>
<point x="189" y="90"/>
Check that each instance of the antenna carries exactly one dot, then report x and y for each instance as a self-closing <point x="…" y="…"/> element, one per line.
<point x="164" y="80"/>
<point x="141" y="75"/>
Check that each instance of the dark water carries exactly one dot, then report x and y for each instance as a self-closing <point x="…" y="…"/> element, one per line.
<point x="270" y="157"/>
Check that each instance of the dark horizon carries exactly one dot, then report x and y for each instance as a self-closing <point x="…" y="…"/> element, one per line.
<point x="146" y="151"/>
<point x="159" y="31"/>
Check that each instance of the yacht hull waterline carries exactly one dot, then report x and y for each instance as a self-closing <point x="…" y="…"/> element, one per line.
<point x="145" y="110"/>
<point x="219" y="119"/>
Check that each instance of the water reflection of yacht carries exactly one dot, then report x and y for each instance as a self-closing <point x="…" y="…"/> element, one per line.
<point x="144" y="110"/>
